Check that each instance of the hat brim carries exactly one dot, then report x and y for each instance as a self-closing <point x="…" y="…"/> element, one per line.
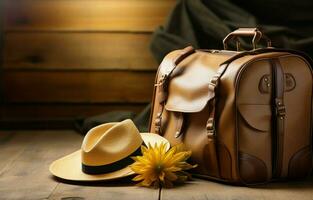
<point x="70" y="166"/>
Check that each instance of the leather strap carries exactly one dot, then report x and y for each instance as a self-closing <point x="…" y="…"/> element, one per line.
<point x="214" y="82"/>
<point x="279" y="118"/>
<point x="267" y="50"/>
<point x="162" y="85"/>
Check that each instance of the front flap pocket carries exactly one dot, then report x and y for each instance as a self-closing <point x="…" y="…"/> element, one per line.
<point x="188" y="89"/>
<point x="256" y="116"/>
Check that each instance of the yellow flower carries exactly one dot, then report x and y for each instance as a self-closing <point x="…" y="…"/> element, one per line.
<point x="161" y="168"/>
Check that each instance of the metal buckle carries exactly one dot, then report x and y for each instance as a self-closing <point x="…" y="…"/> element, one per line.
<point x="210" y="127"/>
<point x="162" y="80"/>
<point x="213" y="82"/>
<point x="157" y="125"/>
<point x="280" y="109"/>
<point x="157" y="122"/>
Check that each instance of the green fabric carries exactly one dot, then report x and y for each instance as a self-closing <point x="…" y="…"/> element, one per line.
<point x="141" y="120"/>
<point x="204" y="24"/>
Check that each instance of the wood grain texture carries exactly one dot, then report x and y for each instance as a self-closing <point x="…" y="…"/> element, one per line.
<point x="77" y="51"/>
<point x="61" y="116"/>
<point x="1" y="46"/>
<point x="26" y="155"/>
<point x="78" y="87"/>
<point x="97" y="15"/>
<point x="11" y="145"/>
<point x="62" y="111"/>
<point x="115" y="191"/>
<point x="206" y="190"/>
<point x="28" y="177"/>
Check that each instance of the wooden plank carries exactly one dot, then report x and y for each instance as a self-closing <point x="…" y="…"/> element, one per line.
<point x="26" y="155"/>
<point x="11" y="145"/>
<point x="60" y="116"/>
<point x="115" y="190"/>
<point x="1" y="47"/>
<point x="78" y="86"/>
<point x="61" y="111"/>
<point x="77" y="51"/>
<point x="37" y="124"/>
<point x="27" y="177"/>
<point x="103" y="15"/>
<point x="201" y="189"/>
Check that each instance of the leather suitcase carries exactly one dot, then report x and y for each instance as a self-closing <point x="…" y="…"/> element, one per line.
<point x="245" y="115"/>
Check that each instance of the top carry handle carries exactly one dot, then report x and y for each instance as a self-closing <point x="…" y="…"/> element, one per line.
<point x="242" y="32"/>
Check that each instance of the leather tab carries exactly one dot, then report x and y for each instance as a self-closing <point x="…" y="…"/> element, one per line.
<point x="214" y="82"/>
<point x="179" y="124"/>
<point x="265" y="84"/>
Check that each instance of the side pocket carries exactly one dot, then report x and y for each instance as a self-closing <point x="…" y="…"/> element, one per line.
<point x="210" y="159"/>
<point x="255" y="143"/>
<point x="300" y="164"/>
<point x="252" y="169"/>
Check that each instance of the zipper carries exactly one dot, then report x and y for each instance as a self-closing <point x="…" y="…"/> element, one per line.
<point x="278" y="117"/>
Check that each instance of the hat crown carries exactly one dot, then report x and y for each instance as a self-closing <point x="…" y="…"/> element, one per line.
<point x="108" y="143"/>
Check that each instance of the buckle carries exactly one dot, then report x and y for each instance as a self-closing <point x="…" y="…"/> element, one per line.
<point x="280" y="109"/>
<point x="210" y="127"/>
<point x="157" y="125"/>
<point x="213" y="82"/>
<point x="157" y="121"/>
<point x="162" y="80"/>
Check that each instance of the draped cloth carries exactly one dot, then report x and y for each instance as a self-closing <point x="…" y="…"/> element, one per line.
<point x="204" y="24"/>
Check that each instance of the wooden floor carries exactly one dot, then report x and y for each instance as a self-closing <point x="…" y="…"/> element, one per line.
<point x="26" y="155"/>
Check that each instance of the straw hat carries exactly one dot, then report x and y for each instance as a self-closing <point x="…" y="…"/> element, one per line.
<point x="105" y="153"/>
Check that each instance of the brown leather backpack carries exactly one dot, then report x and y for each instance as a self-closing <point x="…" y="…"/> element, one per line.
<point x="246" y="115"/>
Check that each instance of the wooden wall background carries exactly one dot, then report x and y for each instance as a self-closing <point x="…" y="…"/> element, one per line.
<point x="63" y="59"/>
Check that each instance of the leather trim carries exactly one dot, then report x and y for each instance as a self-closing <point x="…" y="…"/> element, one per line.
<point x="300" y="164"/>
<point x="252" y="169"/>
<point x="269" y="50"/>
<point x="290" y="82"/>
<point x="266" y="83"/>
<point x="179" y="123"/>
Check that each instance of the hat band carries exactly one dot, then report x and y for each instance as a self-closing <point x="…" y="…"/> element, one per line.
<point x="103" y="169"/>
